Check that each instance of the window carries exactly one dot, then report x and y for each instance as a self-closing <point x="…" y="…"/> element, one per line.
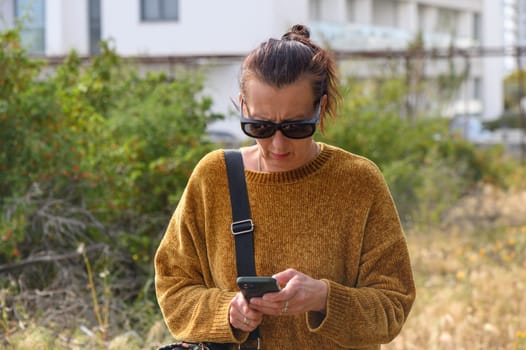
<point x="94" y="26"/>
<point x="477" y="27"/>
<point x="422" y="10"/>
<point x="385" y="13"/>
<point x="447" y="21"/>
<point x="31" y="14"/>
<point x="477" y="88"/>
<point x="159" y="10"/>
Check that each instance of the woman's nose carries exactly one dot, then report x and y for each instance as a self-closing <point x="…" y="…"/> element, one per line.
<point x="278" y="139"/>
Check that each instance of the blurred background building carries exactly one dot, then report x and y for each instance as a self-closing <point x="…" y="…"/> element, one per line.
<point x="216" y="35"/>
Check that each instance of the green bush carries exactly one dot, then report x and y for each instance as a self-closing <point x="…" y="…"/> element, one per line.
<point x="96" y="146"/>
<point x="426" y="166"/>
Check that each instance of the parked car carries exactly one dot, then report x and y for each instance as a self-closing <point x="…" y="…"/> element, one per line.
<point x="471" y="128"/>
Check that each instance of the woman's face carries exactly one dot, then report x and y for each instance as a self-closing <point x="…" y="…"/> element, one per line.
<point x="294" y="102"/>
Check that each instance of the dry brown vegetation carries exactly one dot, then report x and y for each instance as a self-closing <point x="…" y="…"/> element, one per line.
<point x="471" y="277"/>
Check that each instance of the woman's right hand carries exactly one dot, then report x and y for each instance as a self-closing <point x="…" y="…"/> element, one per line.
<point x="242" y="316"/>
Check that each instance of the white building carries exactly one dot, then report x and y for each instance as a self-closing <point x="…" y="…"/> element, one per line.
<point x="391" y="24"/>
<point x="219" y="33"/>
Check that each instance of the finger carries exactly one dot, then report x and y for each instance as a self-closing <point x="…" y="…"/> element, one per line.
<point x="241" y="322"/>
<point x="270" y="308"/>
<point x="284" y="277"/>
<point x="238" y="313"/>
<point x="248" y="324"/>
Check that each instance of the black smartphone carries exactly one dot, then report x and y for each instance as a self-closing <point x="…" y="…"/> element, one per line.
<point x="254" y="286"/>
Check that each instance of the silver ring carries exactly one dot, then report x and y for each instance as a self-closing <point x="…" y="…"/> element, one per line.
<point x="285" y="307"/>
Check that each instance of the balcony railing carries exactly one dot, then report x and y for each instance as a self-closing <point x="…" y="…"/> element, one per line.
<point x="367" y="37"/>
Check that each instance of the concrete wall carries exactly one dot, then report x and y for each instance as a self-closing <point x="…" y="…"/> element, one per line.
<point x="66" y="27"/>
<point x="7" y="13"/>
<point x="204" y="27"/>
<point x="493" y="67"/>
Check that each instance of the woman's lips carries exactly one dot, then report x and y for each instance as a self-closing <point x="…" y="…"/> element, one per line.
<point x="280" y="156"/>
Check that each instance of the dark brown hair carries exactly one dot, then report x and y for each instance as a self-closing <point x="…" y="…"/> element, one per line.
<point x="294" y="56"/>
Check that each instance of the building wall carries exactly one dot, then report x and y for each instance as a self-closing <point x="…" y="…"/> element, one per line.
<point x="472" y="5"/>
<point x="66" y="27"/>
<point x="225" y="27"/>
<point x="493" y="67"/>
<point x="468" y="23"/>
<point x="385" y="13"/>
<point x="7" y="12"/>
<point x="521" y="19"/>
<point x="409" y="12"/>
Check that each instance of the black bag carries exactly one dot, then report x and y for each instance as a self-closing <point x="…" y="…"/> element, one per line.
<point x="242" y="229"/>
<point x="194" y="346"/>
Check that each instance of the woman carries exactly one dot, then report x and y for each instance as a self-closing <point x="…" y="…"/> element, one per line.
<point x="325" y="224"/>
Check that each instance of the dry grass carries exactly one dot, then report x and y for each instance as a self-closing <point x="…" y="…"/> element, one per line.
<point x="471" y="291"/>
<point x="471" y="277"/>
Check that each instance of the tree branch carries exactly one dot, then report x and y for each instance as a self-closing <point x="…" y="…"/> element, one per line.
<point x="49" y="258"/>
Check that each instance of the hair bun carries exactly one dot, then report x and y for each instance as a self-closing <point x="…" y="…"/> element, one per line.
<point x="298" y="31"/>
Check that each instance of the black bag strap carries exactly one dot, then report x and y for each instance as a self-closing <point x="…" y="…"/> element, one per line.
<point x="242" y="226"/>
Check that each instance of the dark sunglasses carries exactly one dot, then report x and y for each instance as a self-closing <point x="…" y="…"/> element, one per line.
<point x="261" y="129"/>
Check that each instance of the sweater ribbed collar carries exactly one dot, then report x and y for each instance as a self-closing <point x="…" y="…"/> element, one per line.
<point x="294" y="175"/>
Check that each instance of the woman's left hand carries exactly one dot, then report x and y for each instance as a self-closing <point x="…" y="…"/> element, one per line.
<point x="301" y="293"/>
<point x="241" y="316"/>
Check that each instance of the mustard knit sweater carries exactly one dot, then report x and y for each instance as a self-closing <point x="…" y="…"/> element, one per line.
<point x="333" y="219"/>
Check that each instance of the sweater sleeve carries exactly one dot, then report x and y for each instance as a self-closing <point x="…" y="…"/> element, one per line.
<point x="193" y="307"/>
<point x="374" y="310"/>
